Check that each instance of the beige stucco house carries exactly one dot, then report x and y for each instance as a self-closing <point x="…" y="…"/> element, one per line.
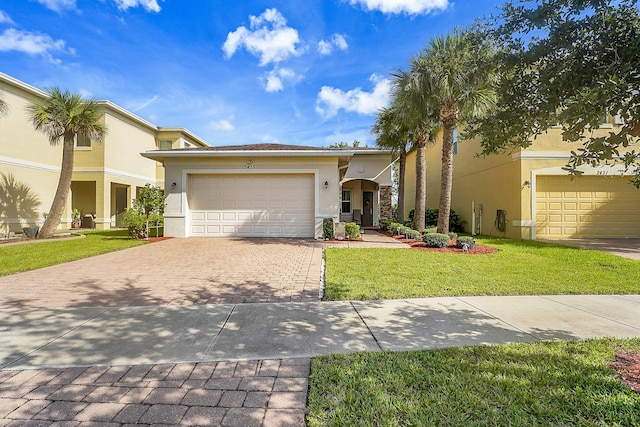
<point x="106" y="176"/>
<point x="538" y="199"/>
<point x="272" y="190"/>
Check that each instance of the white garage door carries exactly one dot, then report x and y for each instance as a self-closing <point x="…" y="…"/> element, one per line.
<point x="587" y="206"/>
<point x="252" y="205"/>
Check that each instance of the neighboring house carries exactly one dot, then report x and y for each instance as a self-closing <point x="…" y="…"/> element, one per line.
<point x="536" y="197"/>
<point x="107" y="176"/>
<point x="272" y="190"/>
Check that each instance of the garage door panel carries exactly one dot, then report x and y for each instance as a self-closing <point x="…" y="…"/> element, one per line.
<point x="252" y="205"/>
<point x="588" y="206"/>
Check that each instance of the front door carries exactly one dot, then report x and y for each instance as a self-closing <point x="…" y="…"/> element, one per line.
<point x="121" y="204"/>
<point x="367" y="209"/>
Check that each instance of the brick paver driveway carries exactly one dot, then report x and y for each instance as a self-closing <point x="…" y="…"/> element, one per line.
<point x="175" y="272"/>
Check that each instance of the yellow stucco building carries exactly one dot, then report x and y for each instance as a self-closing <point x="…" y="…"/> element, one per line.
<point x="106" y="177"/>
<point x="535" y="196"/>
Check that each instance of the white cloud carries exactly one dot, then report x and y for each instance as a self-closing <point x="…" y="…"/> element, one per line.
<point x="222" y="125"/>
<point x="337" y="41"/>
<point x="410" y="7"/>
<point x="149" y="5"/>
<point x="58" y="5"/>
<point x="30" y="43"/>
<point x="331" y="100"/>
<point x="145" y="103"/>
<point x="4" y="18"/>
<point x="268" y="38"/>
<point x="274" y="80"/>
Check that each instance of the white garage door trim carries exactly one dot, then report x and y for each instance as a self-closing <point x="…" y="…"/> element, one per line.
<point x="270" y="203"/>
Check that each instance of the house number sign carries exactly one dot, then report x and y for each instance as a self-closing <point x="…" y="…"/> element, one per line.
<point x="249" y="165"/>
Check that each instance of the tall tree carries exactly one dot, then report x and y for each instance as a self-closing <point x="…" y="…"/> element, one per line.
<point x="415" y="115"/>
<point x="64" y="115"/>
<point x="456" y="75"/>
<point x="568" y="63"/>
<point x="392" y="134"/>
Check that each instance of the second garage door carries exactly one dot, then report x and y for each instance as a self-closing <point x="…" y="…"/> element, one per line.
<point x="587" y="206"/>
<point x="252" y="205"/>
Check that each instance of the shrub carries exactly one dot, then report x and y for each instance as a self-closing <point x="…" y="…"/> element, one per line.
<point x="384" y="224"/>
<point x="431" y="219"/>
<point x="453" y="235"/>
<point x="136" y="223"/>
<point x="408" y="223"/>
<point x="352" y="230"/>
<point x="436" y="240"/>
<point x="327" y="228"/>
<point x="430" y="230"/>
<point x="393" y="227"/>
<point x="465" y="240"/>
<point x="413" y="234"/>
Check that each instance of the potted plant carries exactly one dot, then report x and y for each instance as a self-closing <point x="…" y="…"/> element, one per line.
<point x="75" y="218"/>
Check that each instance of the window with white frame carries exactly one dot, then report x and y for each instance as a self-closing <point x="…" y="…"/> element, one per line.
<point x="346" y="201"/>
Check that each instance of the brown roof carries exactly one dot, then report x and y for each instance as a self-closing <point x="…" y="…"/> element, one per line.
<point x="268" y="147"/>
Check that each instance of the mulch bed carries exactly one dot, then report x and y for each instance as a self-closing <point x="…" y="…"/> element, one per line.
<point x="419" y="245"/>
<point x="159" y="239"/>
<point x="627" y="365"/>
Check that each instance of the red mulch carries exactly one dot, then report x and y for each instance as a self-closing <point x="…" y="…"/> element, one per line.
<point x="158" y="239"/>
<point x="627" y="365"/>
<point x="419" y="245"/>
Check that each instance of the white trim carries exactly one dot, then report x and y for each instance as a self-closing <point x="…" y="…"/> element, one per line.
<point x="115" y="172"/>
<point x="27" y="164"/>
<point x="523" y="223"/>
<point x="184" y="208"/>
<point x="541" y="155"/>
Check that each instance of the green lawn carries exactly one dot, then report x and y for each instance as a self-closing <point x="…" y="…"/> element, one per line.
<point x="29" y="256"/>
<point x="519" y="268"/>
<point x="556" y="383"/>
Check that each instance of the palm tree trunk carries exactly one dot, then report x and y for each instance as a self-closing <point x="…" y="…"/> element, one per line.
<point x="446" y="177"/>
<point x="402" y="166"/>
<point x="421" y="187"/>
<point x="64" y="186"/>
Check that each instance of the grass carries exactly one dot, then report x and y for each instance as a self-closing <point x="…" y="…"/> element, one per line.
<point x="555" y="383"/>
<point x="519" y="268"/>
<point x="30" y="256"/>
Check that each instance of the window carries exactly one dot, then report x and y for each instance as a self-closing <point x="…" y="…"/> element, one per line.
<point x="165" y="144"/>
<point x="83" y="141"/>
<point x="187" y="145"/>
<point x="346" y="201"/>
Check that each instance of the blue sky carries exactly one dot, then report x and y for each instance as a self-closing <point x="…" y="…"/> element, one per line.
<point x="305" y="72"/>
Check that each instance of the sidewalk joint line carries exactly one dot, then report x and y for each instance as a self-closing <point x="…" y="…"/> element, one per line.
<point x="35" y="350"/>
<point x="367" y="326"/>
<point x="499" y="319"/>
<point x="210" y="346"/>
<point x="591" y="313"/>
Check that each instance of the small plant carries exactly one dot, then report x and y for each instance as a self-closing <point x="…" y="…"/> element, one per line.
<point x="431" y="219"/>
<point x="352" y="230"/>
<point x="413" y="234"/>
<point x="430" y="230"/>
<point x="453" y="235"/>
<point x="327" y="228"/>
<point x="136" y="223"/>
<point x="384" y="224"/>
<point x="436" y="240"/>
<point x="76" y="214"/>
<point x="465" y="240"/>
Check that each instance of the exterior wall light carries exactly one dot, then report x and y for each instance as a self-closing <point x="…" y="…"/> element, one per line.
<point x="326" y="185"/>
<point x="527" y="183"/>
<point x="173" y="185"/>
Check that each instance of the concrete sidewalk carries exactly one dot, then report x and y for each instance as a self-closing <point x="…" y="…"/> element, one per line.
<point x="110" y="336"/>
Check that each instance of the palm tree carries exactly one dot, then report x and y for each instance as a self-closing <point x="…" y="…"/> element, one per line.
<point x="391" y="134"/>
<point x="65" y="115"/>
<point x="456" y="75"/>
<point x="414" y="114"/>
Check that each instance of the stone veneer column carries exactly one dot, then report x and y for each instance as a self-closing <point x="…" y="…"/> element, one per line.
<point x="385" y="202"/>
